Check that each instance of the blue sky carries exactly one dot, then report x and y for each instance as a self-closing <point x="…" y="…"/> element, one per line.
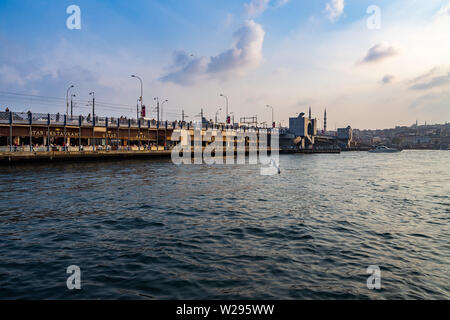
<point x="287" y="53"/>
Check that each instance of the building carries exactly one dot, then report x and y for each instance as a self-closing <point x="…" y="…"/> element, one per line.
<point x="345" y="133"/>
<point x="344" y="137"/>
<point x="303" y="127"/>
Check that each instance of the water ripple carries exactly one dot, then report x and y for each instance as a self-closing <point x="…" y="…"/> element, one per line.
<point x="151" y="230"/>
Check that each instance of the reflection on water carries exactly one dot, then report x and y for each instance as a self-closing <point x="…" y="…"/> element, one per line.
<point x="148" y="229"/>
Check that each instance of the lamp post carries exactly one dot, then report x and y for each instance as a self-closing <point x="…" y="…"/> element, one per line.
<point x="273" y="126"/>
<point x="226" y="98"/>
<point x="71" y="105"/>
<point x="162" y="109"/>
<point x="137" y="109"/>
<point x="140" y="98"/>
<point x="67" y="99"/>
<point x="157" y="109"/>
<point x="93" y="103"/>
<point x="93" y="119"/>
<point x="158" y="106"/>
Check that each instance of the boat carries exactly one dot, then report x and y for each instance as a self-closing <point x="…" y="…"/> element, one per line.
<point x="384" y="149"/>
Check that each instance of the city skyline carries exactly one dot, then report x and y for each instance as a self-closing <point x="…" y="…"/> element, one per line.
<point x="287" y="54"/>
<point x="228" y="158"/>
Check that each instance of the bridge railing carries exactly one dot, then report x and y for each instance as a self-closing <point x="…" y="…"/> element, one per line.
<point x="29" y="118"/>
<point x="61" y="120"/>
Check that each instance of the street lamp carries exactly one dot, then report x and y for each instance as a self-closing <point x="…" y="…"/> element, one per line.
<point x="71" y="105"/>
<point x="140" y="98"/>
<point x="93" y="120"/>
<point x="162" y="109"/>
<point x="137" y="108"/>
<point x="272" y="115"/>
<point x="158" y="106"/>
<point x="157" y="109"/>
<point x="93" y="103"/>
<point x="222" y="95"/>
<point x="67" y="99"/>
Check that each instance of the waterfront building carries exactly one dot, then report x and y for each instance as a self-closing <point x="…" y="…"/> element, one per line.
<point x="345" y="136"/>
<point x="304" y="129"/>
<point x="302" y="126"/>
<point x="345" y="133"/>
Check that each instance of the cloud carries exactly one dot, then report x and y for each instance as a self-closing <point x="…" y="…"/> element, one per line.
<point x="387" y="79"/>
<point x="379" y="52"/>
<point x="432" y="102"/>
<point x="280" y="71"/>
<point x="334" y="9"/>
<point x="281" y="3"/>
<point x="228" y="20"/>
<point x="443" y="14"/>
<point x="436" y="77"/>
<point x="49" y="72"/>
<point x="10" y="75"/>
<point x="246" y="53"/>
<point x="305" y="103"/>
<point x="256" y="7"/>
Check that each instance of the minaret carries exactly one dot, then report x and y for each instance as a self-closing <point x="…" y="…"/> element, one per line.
<point x="310" y="113"/>
<point x="325" y="121"/>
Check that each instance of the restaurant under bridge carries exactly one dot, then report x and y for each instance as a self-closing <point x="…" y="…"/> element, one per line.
<point x="55" y="132"/>
<point x="38" y="132"/>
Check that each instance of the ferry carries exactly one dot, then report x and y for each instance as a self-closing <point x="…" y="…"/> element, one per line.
<point x="384" y="149"/>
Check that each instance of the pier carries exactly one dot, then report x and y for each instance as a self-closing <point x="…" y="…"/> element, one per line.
<point x="55" y="156"/>
<point x="49" y="132"/>
<point x="26" y="137"/>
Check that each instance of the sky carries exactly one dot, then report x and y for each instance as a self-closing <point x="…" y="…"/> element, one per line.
<point x="372" y="64"/>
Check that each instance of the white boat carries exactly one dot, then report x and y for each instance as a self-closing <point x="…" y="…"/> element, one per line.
<point x="384" y="149"/>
